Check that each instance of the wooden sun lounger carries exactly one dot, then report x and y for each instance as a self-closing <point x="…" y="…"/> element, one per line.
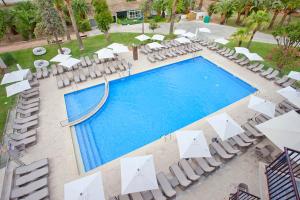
<point x="266" y="72"/>
<point x="30" y="101"/>
<point x="37" y="195"/>
<point x="88" y="61"/>
<point x="60" y="69"/>
<point x="221" y="50"/>
<point x="34" y="83"/>
<point x="28" y="112"/>
<point x="288" y="83"/>
<point x="273" y="75"/>
<point x="76" y="77"/>
<point x="97" y="71"/>
<point x="188" y="170"/>
<point x="26" y="142"/>
<point x="165" y="185"/>
<point x="240" y="60"/>
<point x="59" y="82"/>
<point x="201" y="162"/>
<point x="246" y="62"/>
<point x="83" y="62"/>
<point x="22" y="136"/>
<point x="66" y="80"/>
<point x="225" y="52"/>
<point x="124" y="197"/>
<point x="29" y="188"/>
<point x="32" y="166"/>
<point x="234" y="57"/>
<point x="253" y="66"/>
<point x="216" y="147"/>
<point x="147" y="195"/>
<point x="250" y="127"/>
<point x="45" y="72"/>
<point x="25" y="107"/>
<point x="24" y="127"/>
<point x="178" y="173"/>
<point x="226" y="145"/>
<point x="158" y="195"/>
<point x="282" y="80"/>
<point x="96" y="59"/>
<point x="136" y="196"/>
<point x="30" y="95"/>
<point x="36" y="89"/>
<point x="287" y="106"/>
<point x="34" y="175"/>
<point x="229" y="54"/>
<point x="240" y="142"/>
<point x="82" y="75"/>
<point x="259" y="68"/>
<point x="246" y="139"/>
<point x="39" y="73"/>
<point x="54" y="69"/>
<point x="92" y="72"/>
<point x="213" y="162"/>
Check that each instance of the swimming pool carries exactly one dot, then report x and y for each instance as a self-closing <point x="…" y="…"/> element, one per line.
<point x="144" y="107"/>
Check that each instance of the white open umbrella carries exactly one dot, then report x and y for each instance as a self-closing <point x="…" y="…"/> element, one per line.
<point x="60" y="58"/>
<point x="290" y="94"/>
<point x="283" y="131"/>
<point x="241" y="50"/>
<point x="138" y="174"/>
<point x="253" y="57"/>
<point x="204" y="30"/>
<point x="15" y="76"/>
<point x="155" y="45"/>
<point x="192" y="144"/>
<point x="158" y="37"/>
<point x="105" y="53"/>
<point x="294" y="75"/>
<point x="262" y="105"/>
<point x="225" y="126"/>
<point x="179" y="31"/>
<point x="70" y="62"/>
<point x="189" y="35"/>
<point x="17" y="88"/>
<point x="86" y="188"/>
<point x="183" y="40"/>
<point x="221" y="41"/>
<point x="118" y="48"/>
<point x="142" y="37"/>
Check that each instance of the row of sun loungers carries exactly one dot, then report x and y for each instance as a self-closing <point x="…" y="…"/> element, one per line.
<point x="42" y="73"/>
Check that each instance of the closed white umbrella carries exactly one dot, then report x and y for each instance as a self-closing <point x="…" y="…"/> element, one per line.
<point x="262" y="105"/>
<point x="192" y="144"/>
<point x="155" y="45"/>
<point x="179" y="31"/>
<point x="70" y="62"/>
<point x="294" y="75"/>
<point x="290" y="94"/>
<point x="189" y="35"/>
<point x="142" y="37"/>
<point x="60" y="58"/>
<point x="253" y="57"/>
<point x="138" y="174"/>
<point x="158" y="37"/>
<point x="17" y="88"/>
<point x="86" y="188"/>
<point x="283" y="131"/>
<point x="221" y="41"/>
<point x="15" y="76"/>
<point x="241" y="50"/>
<point x="105" y="53"/>
<point x="225" y="126"/>
<point x="118" y="48"/>
<point x="183" y="40"/>
<point x="204" y="30"/>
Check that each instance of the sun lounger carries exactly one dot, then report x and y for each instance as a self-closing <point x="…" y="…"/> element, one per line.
<point x="34" y="83"/>
<point x="21" y="136"/>
<point x="229" y="54"/>
<point x="66" y="80"/>
<point x="26" y="119"/>
<point x="36" y="89"/>
<point x="158" y="195"/>
<point x="32" y="176"/>
<point x="158" y="57"/>
<point x="220" y="151"/>
<point x="45" y="72"/>
<point x="188" y="170"/>
<point x="147" y="195"/>
<point x="285" y="105"/>
<point x="221" y="50"/>
<point x="246" y="62"/>
<point x="165" y="185"/>
<point x="203" y="164"/>
<point x="92" y="72"/>
<point x="29" y="188"/>
<point x="29" y="101"/>
<point x="59" y="82"/>
<point x="112" y="68"/>
<point x="288" y="83"/>
<point x="25" y="107"/>
<point x="246" y="139"/>
<point x="266" y="72"/>
<point x="151" y="59"/>
<point x="76" y="77"/>
<point x="28" y="112"/>
<point x="39" y="73"/>
<point x="136" y="196"/>
<point x="30" y="95"/>
<point x="234" y="56"/>
<point x="82" y="75"/>
<point x="32" y="166"/>
<point x="240" y="60"/>
<point x="225" y="52"/>
<point x="96" y="59"/>
<point x="24" y="127"/>
<point x="273" y="75"/>
<point x="282" y="80"/>
<point x="253" y="66"/>
<point x="83" y="62"/>
<point x="107" y="70"/>
<point x="124" y="197"/>
<point x="213" y="162"/>
<point x="259" y="68"/>
<point x="226" y="145"/>
<point x="37" y="195"/>
<point x="25" y="142"/>
<point x="178" y="173"/>
<point x="88" y="61"/>
<point x="60" y="69"/>
<point x="240" y="142"/>
<point x="97" y="71"/>
<point x="250" y="127"/>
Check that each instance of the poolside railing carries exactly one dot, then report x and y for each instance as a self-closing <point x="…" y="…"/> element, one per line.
<point x="282" y="175"/>
<point x="243" y="195"/>
<point x="86" y="115"/>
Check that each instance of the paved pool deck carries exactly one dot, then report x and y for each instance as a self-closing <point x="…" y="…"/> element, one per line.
<point x="56" y="143"/>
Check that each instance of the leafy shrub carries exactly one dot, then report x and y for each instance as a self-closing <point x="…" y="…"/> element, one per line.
<point x="284" y="58"/>
<point x="153" y="25"/>
<point x="84" y="25"/>
<point x="8" y="59"/>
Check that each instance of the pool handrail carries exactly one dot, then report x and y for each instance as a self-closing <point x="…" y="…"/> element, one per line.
<point x="93" y="111"/>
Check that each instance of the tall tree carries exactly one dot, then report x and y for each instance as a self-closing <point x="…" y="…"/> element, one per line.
<point x="225" y="8"/>
<point x="50" y="24"/>
<point x="103" y="16"/>
<point x="2" y="24"/>
<point x="276" y="7"/>
<point x="257" y="21"/>
<point x="59" y="7"/>
<point x="239" y="8"/>
<point x="74" y="24"/>
<point x="289" y="6"/>
<point x="287" y="37"/>
<point x="173" y="16"/>
<point x="241" y="35"/>
<point x="145" y="7"/>
<point x="200" y="4"/>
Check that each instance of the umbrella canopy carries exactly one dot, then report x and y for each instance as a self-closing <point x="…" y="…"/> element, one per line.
<point x="183" y="40"/>
<point x="60" y="58"/>
<point x="283" y="131"/>
<point x="142" y="37"/>
<point x="105" y="53"/>
<point x="89" y="187"/>
<point x="204" y="30"/>
<point x="17" y="88"/>
<point x="253" y="57"/>
<point x="179" y="32"/>
<point x="189" y="35"/>
<point x="138" y="174"/>
<point x="290" y="94"/>
<point x="118" y="48"/>
<point x="221" y="41"/>
<point x="155" y="45"/>
<point x="15" y="76"/>
<point x="192" y="144"/>
<point x="158" y="37"/>
<point x="225" y="126"/>
<point x="70" y="62"/>
<point x="241" y="50"/>
<point x="263" y="106"/>
<point x="294" y="75"/>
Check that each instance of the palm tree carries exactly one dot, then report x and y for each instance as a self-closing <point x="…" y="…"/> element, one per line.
<point x="71" y="13"/>
<point x="277" y="7"/>
<point x="289" y="6"/>
<point x="225" y="8"/>
<point x="257" y="21"/>
<point x="241" y="35"/>
<point x="249" y="5"/>
<point x="172" y="16"/>
<point x="59" y="7"/>
<point x="200" y="4"/>
<point x="239" y="8"/>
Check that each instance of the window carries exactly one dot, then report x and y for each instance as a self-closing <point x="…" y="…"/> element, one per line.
<point x="134" y="14"/>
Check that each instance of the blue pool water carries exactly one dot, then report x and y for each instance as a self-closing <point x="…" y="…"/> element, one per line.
<point x="144" y="107"/>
